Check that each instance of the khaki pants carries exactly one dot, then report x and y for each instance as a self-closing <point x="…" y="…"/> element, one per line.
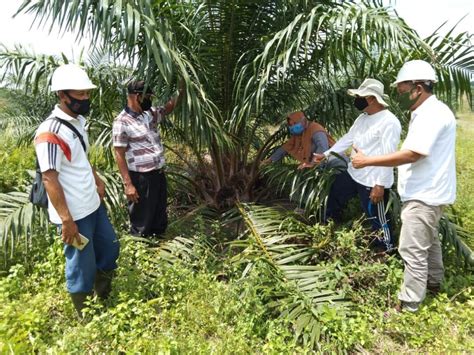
<point x="420" y="249"/>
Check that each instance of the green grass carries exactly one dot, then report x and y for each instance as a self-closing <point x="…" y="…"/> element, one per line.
<point x="187" y="308"/>
<point x="179" y="310"/>
<point x="464" y="206"/>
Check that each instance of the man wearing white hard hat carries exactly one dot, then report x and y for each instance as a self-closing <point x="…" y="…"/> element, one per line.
<point x="378" y="131"/>
<point x="426" y="180"/>
<point x="74" y="190"/>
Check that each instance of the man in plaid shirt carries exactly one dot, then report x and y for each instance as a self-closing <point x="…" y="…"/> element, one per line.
<point x="140" y="157"/>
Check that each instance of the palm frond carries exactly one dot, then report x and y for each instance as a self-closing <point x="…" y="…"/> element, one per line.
<point x="308" y="288"/>
<point x="19" y="222"/>
<point x="114" y="200"/>
<point x="324" y="40"/>
<point x="197" y="242"/>
<point x="144" y="33"/>
<point x="454" y="62"/>
<point x="27" y="70"/>
<point x="309" y="188"/>
<point x="21" y="128"/>
<point x="459" y="238"/>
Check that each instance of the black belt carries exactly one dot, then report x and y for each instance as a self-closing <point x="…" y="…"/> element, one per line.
<point x="150" y="172"/>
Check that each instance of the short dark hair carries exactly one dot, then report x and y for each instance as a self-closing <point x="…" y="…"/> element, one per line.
<point x="138" y="87"/>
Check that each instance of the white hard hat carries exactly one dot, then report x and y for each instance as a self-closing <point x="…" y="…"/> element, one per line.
<point x="370" y="87"/>
<point x="70" y="77"/>
<point x="416" y="70"/>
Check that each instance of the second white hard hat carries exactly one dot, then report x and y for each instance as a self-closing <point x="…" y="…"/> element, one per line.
<point x="70" y="77"/>
<point x="416" y="70"/>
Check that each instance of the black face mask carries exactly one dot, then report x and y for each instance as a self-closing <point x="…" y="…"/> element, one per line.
<point x="360" y="103"/>
<point x="79" y="107"/>
<point x="145" y="104"/>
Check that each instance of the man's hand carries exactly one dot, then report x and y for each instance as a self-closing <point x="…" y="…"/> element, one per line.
<point x="131" y="192"/>
<point x="100" y="188"/>
<point x="266" y="162"/>
<point x="318" y="158"/>
<point x="359" y="160"/>
<point x="70" y="232"/>
<point x="376" y="194"/>
<point x="99" y="184"/>
<point x="305" y="165"/>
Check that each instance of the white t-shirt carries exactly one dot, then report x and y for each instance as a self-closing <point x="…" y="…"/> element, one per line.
<point x="376" y="134"/>
<point x="75" y="176"/>
<point x="432" y="133"/>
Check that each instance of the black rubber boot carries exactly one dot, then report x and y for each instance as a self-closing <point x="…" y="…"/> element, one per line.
<point x="103" y="283"/>
<point x="78" y="300"/>
<point x="433" y="289"/>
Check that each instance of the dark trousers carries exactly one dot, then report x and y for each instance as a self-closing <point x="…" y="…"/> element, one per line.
<point x="148" y="217"/>
<point x="343" y="189"/>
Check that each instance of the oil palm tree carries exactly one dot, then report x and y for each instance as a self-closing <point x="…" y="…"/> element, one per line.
<point x="246" y="63"/>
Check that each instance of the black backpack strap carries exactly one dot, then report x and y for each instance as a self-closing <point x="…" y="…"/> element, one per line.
<point x="72" y="128"/>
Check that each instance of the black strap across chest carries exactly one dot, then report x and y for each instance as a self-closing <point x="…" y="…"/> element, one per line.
<point x="72" y="128"/>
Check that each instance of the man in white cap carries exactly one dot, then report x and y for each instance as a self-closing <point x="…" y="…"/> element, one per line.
<point x="74" y="190"/>
<point x="378" y="131"/>
<point x="426" y="180"/>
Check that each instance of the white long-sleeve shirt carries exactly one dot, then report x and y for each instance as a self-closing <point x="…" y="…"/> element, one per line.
<point x="375" y="134"/>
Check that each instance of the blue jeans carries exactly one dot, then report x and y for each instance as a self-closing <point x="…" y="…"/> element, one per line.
<point x="100" y="253"/>
<point x="343" y="189"/>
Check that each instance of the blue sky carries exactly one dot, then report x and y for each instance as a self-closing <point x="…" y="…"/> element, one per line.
<point x="423" y="15"/>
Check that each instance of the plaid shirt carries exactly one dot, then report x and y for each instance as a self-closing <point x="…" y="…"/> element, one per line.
<point x="140" y="135"/>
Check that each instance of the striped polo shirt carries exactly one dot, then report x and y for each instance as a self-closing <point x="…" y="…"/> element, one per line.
<point x="139" y="133"/>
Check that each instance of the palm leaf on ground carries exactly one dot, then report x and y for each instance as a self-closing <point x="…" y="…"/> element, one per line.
<point x="307" y="289"/>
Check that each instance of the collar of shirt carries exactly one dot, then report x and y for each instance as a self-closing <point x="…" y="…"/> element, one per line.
<point x="57" y="112"/>
<point x="365" y="115"/>
<point x="131" y="112"/>
<point x="423" y="107"/>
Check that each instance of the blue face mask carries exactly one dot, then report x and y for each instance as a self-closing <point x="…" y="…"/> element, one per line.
<point x="296" y="129"/>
